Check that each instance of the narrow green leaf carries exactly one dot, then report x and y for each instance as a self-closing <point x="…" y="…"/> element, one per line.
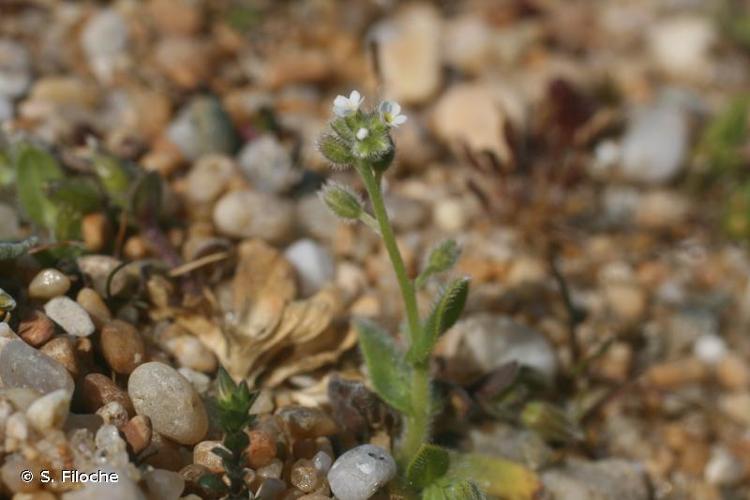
<point x="495" y="476"/>
<point x="444" y="315"/>
<point x="67" y="223"/>
<point x="13" y="249"/>
<point x="81" y="193"/>
<point x="385" y="364"/>
<point x="430" y="463"/>
<point x="35" y="168"/>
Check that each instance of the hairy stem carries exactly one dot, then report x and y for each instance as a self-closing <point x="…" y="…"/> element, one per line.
<point x="417" y="424"/>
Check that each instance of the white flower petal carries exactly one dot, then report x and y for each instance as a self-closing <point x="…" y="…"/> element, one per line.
<point x="340" y="101"/>
<point x="395" y="108"/>
<point x="399" y="120"/>
<point x="355" y="97"/>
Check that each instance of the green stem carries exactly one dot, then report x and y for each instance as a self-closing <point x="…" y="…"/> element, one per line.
<point x="417" y="425"/>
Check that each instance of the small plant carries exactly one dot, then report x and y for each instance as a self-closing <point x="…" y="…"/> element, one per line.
<point x="401" y="376"/>
<point x="233" y="403"/>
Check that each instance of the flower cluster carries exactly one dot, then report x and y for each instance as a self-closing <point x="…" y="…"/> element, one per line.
<point x="361" y="136"/>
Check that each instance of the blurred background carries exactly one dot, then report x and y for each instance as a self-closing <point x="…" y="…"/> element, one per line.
<point x="590" y="156"/>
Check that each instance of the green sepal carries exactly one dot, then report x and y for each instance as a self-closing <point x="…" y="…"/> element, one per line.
<point x="35" y="169"/>
<point x="442" y="258"/>
<point x="453" y="489"/>
<point x="336" y="150"/>
<point x="343" y="130"/>
<point x="430" y="463"/>
<point x="444" y="315"/>
<point x="12" y="249"/>
<point x="385" y="364"/>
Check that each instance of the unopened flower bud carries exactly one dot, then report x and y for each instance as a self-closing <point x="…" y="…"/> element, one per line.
<point x="341" y="201"/>
<point x="443" y="256"/>
<point x="336" y="150"/>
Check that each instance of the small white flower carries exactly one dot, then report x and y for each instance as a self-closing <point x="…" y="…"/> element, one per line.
<point x="390" y="113"/>
<point x="362" y="134"/>
<point x="345" y="106"/>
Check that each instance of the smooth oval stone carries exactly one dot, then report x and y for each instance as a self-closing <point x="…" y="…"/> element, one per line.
<point x="49" y="411"/>
<point x="361" y="471"/>
<point x="164" y="484"/>
<point x="70" y="316"/>
<point x="176" y="411"/>
<point x="122" y="346"/>
<point x="48" y="283"/>
<point x="22" y="366"/>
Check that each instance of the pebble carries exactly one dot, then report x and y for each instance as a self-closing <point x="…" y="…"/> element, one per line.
<point x="95" y="229"/>
<point x="62" y="349"/>
<point x="180" y="17"/>
<point x="674" y="374"/>
<point x="93" y="303"/>
<point x="186" y="61"/>
<point x="315" y="219"/>
<point x="303" y="422"/>
<point x="661" y="209"/>
<point x="49" y="411"/>
<point x="360" y="472"/>
<point x="627" y="301"/>
<point x="22" y="366"/>
<point x="70" y="316"/>
<point x="36" y="328"/>
<point x="736" y="406"/>
<point x="271" y="471"/>
<point x="103" y="39"/>
<point x="610" y="479"/>
<point x="305" y="476"/>
<point x="9" y="227"/>
<point x="409" y="53"/>
<point x="723" y="468"/>
<point x="261" y="450"/>
<point x="15" y="71"/>
<point x="97" y="268"/>
<point x="122" y="346"/>
<point x="322" y="461"/>
<point x="200" y="381"/>
<point x="710" y="349"/>
<point x="268" y="165"/>
<point x="97" y="390"/>
<point x="681" y="46"/>
<point x="450" y="215"/>
<point x="163" y="484"/>
<point x="201" y="128"/>
<point x="123" y="489"/>
<point x="655" y="144"/>
<point x="494" y="340"/>
<point x="137" y="432"/>
<point x="467" y="43"/>
<point x="203" y="455"/>
<point x="176" y="410"/>
<point x="270" y="489"/>
<point x="209" y="177"/>
<point x="113" y="413"/>
<point x="251" y="214"/>
<point x="733" y="372"/>
<point x="190" y="352"/>
<point x="48" y="283"/>
<point x="313" y="263"/>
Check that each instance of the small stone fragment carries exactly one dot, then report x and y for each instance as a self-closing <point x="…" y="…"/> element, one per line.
<point x="113" y="413"/>
<point x="361" y="471"/>
<point x="48" y="283"/>
<point x="97" y="390"/>
<point x="268" y="166"/>
<point x="163" y="484"/>
<point x="305" y="423"/>
<point x="305" y="476"/>
<point x="313" y="263"/>
<point x="70" y="316"/>
<point x="122" y="346"/>
<point x="137" y="433"/>
<point x="322" y="461"/>
<point x="261" y="450"/>
<point x="203" y="455"/>
<point x="36" y="328"/>
<point x="93" y="303"/>
<point x="208" y="177"/>
<point x="49" y="411"/>
<point x="176" y="410"/>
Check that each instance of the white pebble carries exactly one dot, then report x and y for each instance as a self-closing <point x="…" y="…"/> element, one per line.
<point x="360" y="472"/>
<point x="70" y="316"/>
<point x="313" y="263"/>
<point x="723" y="468"/>
<point x="49" y="411"/>
<point x="710" y="348"/>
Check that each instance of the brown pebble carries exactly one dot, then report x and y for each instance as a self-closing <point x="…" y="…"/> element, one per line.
<point x="135" y="248"/>
<point x="261" y="450"/>
<point x="733" y="372"/>
<point x="36" y="328"/>
<point x="305" y="476"/>
<point x="191" y="474"/>
<point x="62" y="349"/>
<point x="95" y="231"/>
<point x="203" y="455"/>
<point x="122" y="346"/>
<point x="96" y="390"/>
<point x="163" y="453"/>
<point x="302" y="422"/>
<point x="674" y="374"/>
<point x="92" y="302"/>
<point x="137" y="433"/>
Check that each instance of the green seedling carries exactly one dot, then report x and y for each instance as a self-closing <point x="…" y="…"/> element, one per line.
<point x="233" y="403"/>
<point x="400" y="372"/>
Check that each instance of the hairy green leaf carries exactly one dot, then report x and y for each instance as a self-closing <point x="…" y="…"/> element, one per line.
<point x="444" y="315"/>
<point x="495" y="476"/>
<point x="35" y="168"/>
<point x="430" y="463"/>
<point x="453" y="489"/>
<point x="385" y="364"/>
<point x="13" y="249"/>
